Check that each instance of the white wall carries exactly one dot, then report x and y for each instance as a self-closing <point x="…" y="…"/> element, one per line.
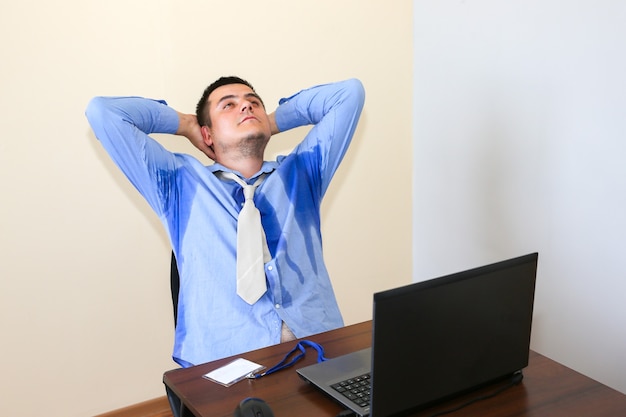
<point x="86" y="317"/>
<point x="520" y="137"/>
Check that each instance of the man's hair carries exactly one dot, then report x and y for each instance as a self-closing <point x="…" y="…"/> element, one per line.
<point x="202" y="113"/>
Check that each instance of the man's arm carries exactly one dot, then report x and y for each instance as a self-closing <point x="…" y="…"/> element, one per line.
<point x="334" y="109"/>
<point x="123" y="125"/>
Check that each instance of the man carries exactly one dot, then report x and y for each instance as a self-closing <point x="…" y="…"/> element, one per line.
<point x="199" y="206"/>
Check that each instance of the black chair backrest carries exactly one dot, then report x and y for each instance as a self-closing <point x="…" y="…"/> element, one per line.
<point x="175" y="286"/>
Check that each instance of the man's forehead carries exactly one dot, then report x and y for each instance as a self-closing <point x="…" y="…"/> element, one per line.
<point x="238" y="90"/>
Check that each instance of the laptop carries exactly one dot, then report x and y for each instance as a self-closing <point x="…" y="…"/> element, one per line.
<point x="437" y="339"/>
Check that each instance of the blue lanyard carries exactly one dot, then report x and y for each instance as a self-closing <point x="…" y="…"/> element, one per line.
<point x="286" y="363"/>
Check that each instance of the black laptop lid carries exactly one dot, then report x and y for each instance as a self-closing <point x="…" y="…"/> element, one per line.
<point x="438" y="338"/>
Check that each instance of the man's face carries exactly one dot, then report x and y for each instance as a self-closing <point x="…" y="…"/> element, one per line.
<point x="238" y="121"/>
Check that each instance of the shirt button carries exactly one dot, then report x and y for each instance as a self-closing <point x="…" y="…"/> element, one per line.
<point x="277" y="306"/>
<point x="270" y="268"/>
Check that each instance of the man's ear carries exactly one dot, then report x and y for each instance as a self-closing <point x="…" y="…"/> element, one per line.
<point x="206" y="135"/>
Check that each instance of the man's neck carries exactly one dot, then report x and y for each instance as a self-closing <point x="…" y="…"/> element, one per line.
<point x="246" y="166"/>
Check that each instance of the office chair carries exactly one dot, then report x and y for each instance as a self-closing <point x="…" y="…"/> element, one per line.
<point x="174" y="286"/>
<point x="175" y="402"/>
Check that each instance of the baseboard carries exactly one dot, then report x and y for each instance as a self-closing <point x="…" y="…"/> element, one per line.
<point x="157" y="407"/>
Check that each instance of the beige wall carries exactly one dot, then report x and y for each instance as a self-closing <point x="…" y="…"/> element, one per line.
<point x="86" y="317"/>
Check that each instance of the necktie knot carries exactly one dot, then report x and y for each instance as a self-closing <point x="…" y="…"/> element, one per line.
<point x="248" y="191"/>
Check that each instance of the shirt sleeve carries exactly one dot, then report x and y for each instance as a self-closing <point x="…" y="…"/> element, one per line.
<point x="334" y="109"/>
<point x="122" y="125"/>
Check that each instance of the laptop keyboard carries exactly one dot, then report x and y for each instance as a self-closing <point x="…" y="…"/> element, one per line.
<point x="356" y="389"/>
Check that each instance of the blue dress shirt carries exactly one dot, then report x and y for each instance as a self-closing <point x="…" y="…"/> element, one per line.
<point x="199" y="212"/>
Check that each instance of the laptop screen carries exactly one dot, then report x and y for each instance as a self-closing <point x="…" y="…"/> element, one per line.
<point x="451" y="334"/>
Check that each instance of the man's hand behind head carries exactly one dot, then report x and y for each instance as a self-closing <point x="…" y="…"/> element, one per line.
<point x="188" y="127"/>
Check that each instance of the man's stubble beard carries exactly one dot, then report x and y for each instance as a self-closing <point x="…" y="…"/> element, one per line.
<point x="252" y="145"/>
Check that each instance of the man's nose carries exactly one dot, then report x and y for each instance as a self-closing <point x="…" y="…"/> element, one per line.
<point x="246" y="106"/>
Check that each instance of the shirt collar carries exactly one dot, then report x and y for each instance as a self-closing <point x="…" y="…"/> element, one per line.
<point x="266" y="168"/>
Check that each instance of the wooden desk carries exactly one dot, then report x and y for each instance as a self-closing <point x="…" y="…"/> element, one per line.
<point x="549" y="389"/>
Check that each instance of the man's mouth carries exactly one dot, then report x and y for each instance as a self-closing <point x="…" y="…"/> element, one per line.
<point x="248" y="118"/>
